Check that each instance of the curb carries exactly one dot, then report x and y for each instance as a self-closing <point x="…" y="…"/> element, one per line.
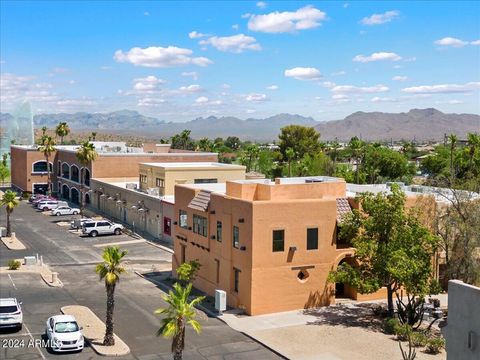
<point x="13" y="243"/>
<point x="160" y="246"/>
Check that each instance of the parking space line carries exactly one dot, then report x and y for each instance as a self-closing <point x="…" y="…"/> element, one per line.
<point x="120" y="243"/>
<point x="11" y="280"/>
<point x="33" y="340"/>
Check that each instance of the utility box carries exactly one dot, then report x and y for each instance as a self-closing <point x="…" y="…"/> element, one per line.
<point x="3" y="231"/>
<point x="30" y="260"/>
<point x="220" y="301"/>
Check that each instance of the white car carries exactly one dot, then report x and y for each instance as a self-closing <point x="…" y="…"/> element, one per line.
<point x="101" y="227"/>
<point x="50" y="204"/>
<point x="64" y="334"/>
<point x="65" y="210"/>
<point x="11" y="313"/>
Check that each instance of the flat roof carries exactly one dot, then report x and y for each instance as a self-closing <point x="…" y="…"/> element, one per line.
<point x="193" y="165"/>
<point x="213" y="187"/>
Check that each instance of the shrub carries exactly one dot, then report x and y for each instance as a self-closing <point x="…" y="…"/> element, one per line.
<point x="188" y="271"/>
<point x="419" y="339"/>
<point x="402" y="331"/>
<point x="435" y="345"/>
<point x="14" y="264"/>
<point x="390" y="325"/>
<point x="435" y="287"/>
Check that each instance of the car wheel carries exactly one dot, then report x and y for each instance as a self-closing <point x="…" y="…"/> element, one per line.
<point x="118" y="231"/>
<point x="75" y="213"/>
<point x="93" y="233"/>
<point x="19" y="327"/>
<point x="58" y="214"/>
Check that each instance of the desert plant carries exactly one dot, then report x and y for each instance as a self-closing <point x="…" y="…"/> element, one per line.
<point x="9" y="200"/>
<point x="419" y="339"/>
<point x="435" y="345"/>
<point x="390" y="325"/>
<point x="187" y="272"/>
<point x="412" y="354"/>
<point x="14" y="264"/>
<point x="402" y="331"/>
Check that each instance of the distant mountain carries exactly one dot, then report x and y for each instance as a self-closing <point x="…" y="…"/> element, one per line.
<point x="421" y="124"/>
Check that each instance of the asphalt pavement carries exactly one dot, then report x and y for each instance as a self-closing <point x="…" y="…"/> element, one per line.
<point x="74" y="258"/>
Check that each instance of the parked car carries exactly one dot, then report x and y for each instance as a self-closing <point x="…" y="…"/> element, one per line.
<point x="65" y="210"/>
<point x="78" y="223"/>
<point x="50" y="205"/>
<point x="42" y="198"/>
<point x="34" y="197"/>
<point x="11" y="313"/>
<point x="101" y="227"/>
<point x="64" y="334"/>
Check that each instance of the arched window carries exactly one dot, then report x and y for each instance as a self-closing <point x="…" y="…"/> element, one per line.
<point x="65" y="192"/>
<point x="87" y="199"/>
<point x="41" y="166"/>
<point x="65" y="171"/>
<point x="74" y="195"/>
<point x="74" y="174"/>
<point x="86" y="176"/>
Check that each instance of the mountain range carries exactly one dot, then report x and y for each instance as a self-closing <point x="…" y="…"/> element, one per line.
<point x="420" y="124"/>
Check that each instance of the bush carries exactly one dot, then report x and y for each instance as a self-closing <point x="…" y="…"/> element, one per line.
<point x="402" y="331"/>
<point x="390" y="325"/>
<point x="419" y="339"/>
<point x="14" y="264"/>
<point x="435" y="287"/>
<point x="435" y="345"/>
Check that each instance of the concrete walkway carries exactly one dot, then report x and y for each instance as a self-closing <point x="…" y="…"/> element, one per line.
<point x="12" y="243"/>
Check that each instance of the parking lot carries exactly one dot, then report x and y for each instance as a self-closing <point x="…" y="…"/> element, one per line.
<point x="74" y="257"/>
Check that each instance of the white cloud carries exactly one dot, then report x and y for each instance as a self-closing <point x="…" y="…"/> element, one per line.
<point x="253" y="97"/>
<point x="442" y="88"/>
<point x="201" y="100"/>
<point x="377" y="99"/>
<point x="235" y="26"/>
<point x="328" y="84"/>
<point x="160" y="57"/>
<point x="192" y="74"/>
<point x="476" y="42"/>
<point x="378" y="56"/>
<point x="194" y="88"/>
<point x="339" y="97"/>
<point x="147" y="84"/>
<point x="226" y="86"/>
<point x="377" y="19"/>
<point x="235" y="43"/>
<point x="400" y="78"/>
<point x="261" y="4"/>
<point x="450" y="41"/>
<point x="272" y="87"/>
<point x="196" y="35"/>
<point x="350" y="89"/>
<point x="250" y="111"/>
<point x="304" y="18"/>
<point x="150" y="102"/>
<point x="456" y="102"/>
<point x="339" y="73"/>
<point x="303" y="73"/>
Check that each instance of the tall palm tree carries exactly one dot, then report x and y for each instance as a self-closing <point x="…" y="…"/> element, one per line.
<point x="9" y="200"/>
<point x="453" y="142"/>
<point x="62" y="130"/>
<point x="110" y="270"/>
<point x="334" y="146"/>
<point x="44" y="131"/>
<point x="290" y="153"/>
<point x="94" y="135"/>
<point x="86" y="153"/>
<point x="179" y="313"/>
<point x="356" y="147"/>
<point x="473" y="141"/>
<point x="47" y="147"/>
<point x="185" y="139"/>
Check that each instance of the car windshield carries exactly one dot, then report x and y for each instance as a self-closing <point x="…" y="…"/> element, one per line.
<point x="66" y="327"/>
<point x="8" y="309"/>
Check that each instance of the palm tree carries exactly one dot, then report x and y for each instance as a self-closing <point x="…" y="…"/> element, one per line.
<point x="334" y="146"/>
<point x="356" y="147"/>
<point x="110" y="270"/>
<point x="453" y="142"/>
<point x="185" y="139"/>
<point x="44" y="131"/>
<point x="205" y="144"/>
<point x="47" y="148"/>
<point x="94" y="135"/>
<point x="62" y="130"/>
<point x="473" y="141"/>
<point x="85" y="155"/>
<point x="290" y="153"/>
<point x="9" y="200"/>
<point x="179" y="313"/>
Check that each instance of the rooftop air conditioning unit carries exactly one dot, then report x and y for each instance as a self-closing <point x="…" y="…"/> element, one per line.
<point x="153" y="191"/>
<point x="131" y="186"/>
<point x="220" y="301"/>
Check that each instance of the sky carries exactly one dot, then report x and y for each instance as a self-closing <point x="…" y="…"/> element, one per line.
<point x="179" y="60"/>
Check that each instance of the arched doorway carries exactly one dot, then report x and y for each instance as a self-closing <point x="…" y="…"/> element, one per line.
<point x="75" y="196"/>
<point x="345" y="291"/>
<point x="65" y="192"/>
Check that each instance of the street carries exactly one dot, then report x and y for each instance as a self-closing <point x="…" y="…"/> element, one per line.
<point x="74" y="258"/>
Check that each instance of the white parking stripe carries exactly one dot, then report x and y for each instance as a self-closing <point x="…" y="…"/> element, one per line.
<point x="33" y="340"/>
<point x="12" y="282"/>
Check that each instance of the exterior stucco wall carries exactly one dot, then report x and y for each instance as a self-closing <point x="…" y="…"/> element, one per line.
<point x="22" y="160"/>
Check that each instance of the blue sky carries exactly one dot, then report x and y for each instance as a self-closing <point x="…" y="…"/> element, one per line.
<point x="182" y="60"/>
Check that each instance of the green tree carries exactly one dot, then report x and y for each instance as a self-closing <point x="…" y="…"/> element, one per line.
<point x="9" y="200"/>
<point x="452" y="138"/>
<point x="94" y="135"/>
<point x="187" y="272"/>
<point x="86" y="153"/>
<point x="5" y="158"/>
<point x="4" y="173"/>
<point x="205" y="144"/>
<point x="48" y="148"/>
<point x="290" y="156"/>
<point x="183" y="141"/>
<point x="62" y="130"/>
<point x="392" y="247"/>
<point x="110" y="270"/>
<point x="179" y="313"/>
<point x="356" y="148"/>
<point x="303" y="140"/>
<point x="233" y="143"/>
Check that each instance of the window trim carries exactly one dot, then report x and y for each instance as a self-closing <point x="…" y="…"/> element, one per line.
<point x="236" y="279"/>
<point x="200" y="225"/>
<point x="274" y="241"/>
<point x="180" y="213"/>
<point x="79" y="175"/>
<point x="312" y="248"/>
<point x="61" y="172"/>
<point x="42" y="172"/>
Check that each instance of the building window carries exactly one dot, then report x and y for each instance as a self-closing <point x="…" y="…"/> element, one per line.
<point x="41" y="167"/>
<point x="205" y="181"/>
<point x="167" y="226"/>
<point x="59" y="168"/>
<point x="143" y="179"/>
<point x="312" y="239"/>
<point x="65" y="171"/>
<point x="182" y="219"/>
<point x="236" y="279"/>
<point x="74" y="174"/>
<point x="236" y="237"/>
<point x="219" y="231"/>
<point x="200" y="225"/>
<point x="217" y="262"/>
<point x="278" y="240"/>
<point x="159" y="183"/>
<point x="86" y="176"/>
<point x="182" y="253"/>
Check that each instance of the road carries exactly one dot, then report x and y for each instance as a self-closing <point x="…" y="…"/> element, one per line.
<point x="74" y="257"/>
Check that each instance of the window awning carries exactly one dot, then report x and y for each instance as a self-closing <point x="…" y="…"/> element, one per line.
<point x="343" y="209"/>
<point x="201" y="201"/>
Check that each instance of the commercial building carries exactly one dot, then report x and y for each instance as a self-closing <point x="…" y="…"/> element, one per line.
<point x="269" y="245"/>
